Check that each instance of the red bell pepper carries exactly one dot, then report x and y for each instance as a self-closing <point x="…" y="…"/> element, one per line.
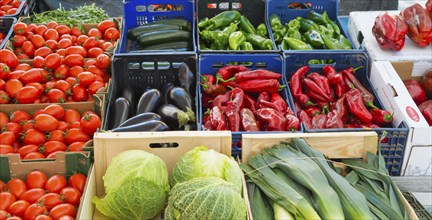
<point x="356" y="106"/>
<point x="296" y="87"/>
<point x="334" y="120"/>
<point x="429" y="7"/>
<point x="426" y="83"/>
<point x="390" y="31"/>
<point x="321" y="81"/>
<point x="314" y="91"/>
<point x="217" y="120"/>
<point x="426" y="110"/>
<point x="221" y="101"/>
<point x="275" y="120"/>
<point x="292" y="123"/>
<point x="228" y="72"/>
<point x="256" y="74"/>
<point x="341" y="108"/>
<point x="249" y="102"/>
<point x="305" y="119"/>
<point x="213" y="89"/>
<point x="232" y="114"/>
<point x="381" y="117"/>
<point x="248" y="121"/>
<point x="260" y="85"/>
<point x="276" y="102"/>
<point x="352" y="80"/>
<point x="319" y="121"/>
<point x="419" y="24"/>
<point x="416" y="91"/>
<point x="312" y="111"/>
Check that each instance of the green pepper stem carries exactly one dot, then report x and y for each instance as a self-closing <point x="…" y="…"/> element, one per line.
<point x="281" y="87"/>
<point x="360" y="67"/>
<point x="371" y="105"/>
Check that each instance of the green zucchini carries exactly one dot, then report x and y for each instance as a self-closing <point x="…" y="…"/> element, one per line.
<point x="135" y="32"/>
<point x="186" y="25"/>
<point x="164" y="36"/>
<point x="175" y="45"/>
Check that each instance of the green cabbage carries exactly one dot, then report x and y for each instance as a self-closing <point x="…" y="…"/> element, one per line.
<point x="205" y="198"/>
<point x="136" y="186"/>
<point x="202" y="162"/>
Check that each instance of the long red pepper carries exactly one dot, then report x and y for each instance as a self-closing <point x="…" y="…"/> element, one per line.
<point x="305" y="119"/>
<point x="263" y="96"/>
<point x="276" y="102"/>
<point x="331" y="74"/>
<point x="256" y="74"/>
<point x="316" y="98"/>
<point x="232" y="114"/>
<point x="208" y="78"/>
<point x="316" y="90"/>
<point x="292" y="123"/>
<point x="222" y="100"/>
<point x="227" y="72"/>
<point x="207" y="101"/>
<point x="217" y="120"/>
<point x="296" y="86"/>
<point x="356" y="106"/>
<point x="381" y="117"/>
<point x="249" y="102"/>
<point x="312" y="111"/>
<point x="260" y="85"/>
<point x="237" y="97"/>
<point x="248" y="121"/>
<point x="319" y="121"/>
<point x="321" y="81"/>
<point x="341" y="108"/>
<point x="368" y="98"/>
<point x="275" y="120"/>
<point x="334" y="120"/>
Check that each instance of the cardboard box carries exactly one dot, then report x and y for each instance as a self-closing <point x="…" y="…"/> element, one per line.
<point x="360" y="30"/>
<point x="340" y="147"/>
<point x="387" y="81"/>
<point x="65" y="164"/>
<point x="162" y="144"/>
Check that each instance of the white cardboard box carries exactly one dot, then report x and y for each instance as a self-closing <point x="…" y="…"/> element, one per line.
<point x="360" y="30"/>
<point x="386" y="79"/>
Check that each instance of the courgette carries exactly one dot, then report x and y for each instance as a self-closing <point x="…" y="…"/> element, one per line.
<point x="175" y="45"/>
<point x="135" y="32"/>
<point x="164" y="36"/>
<point x="186" y="25"/>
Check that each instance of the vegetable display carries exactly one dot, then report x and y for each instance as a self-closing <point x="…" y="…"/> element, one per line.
<point x="421" y="93"/>
<point x="316" y="31"/>
<point x="229" y="30"/>
<point x="41" y="196"/>
<point x="9" y="7"/>
<point x="46" y="132"/>
<point x="239" y="99"/>
<point x="292" y="177"/>
<point x="167" y="34"/>
<point x="335" y="100"/>
<point x="390" y="31"/>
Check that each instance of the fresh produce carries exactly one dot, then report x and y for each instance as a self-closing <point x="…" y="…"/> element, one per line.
<point x="229" y="30"/>
<point x="47" y="132"/>
<point x="316" y="31"/>
<point x="390" y="31"/>
<point x="253" y="103"/>
<point x="335" y="100"/>
<point x="86" y="14"/>
<point x="426" y="110"/>
<point x="426" y="83"/>
<point x="41" y="196"/>
<point x="416" y="91"/>
<point x="9" y="7"/>
<point x="419" y="24"/>
<point x="166" y="34"/>
<point x="202" y="162"/>
<point x="429" y="7"/>
<point x="421" y="94"/>
<point x="136" y="182"/>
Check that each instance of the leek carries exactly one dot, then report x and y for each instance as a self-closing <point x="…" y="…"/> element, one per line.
<point x="281" y="214"/>
<point x="260" y="207"/>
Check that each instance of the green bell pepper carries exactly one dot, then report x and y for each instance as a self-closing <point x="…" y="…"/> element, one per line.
<point x="275" y="22"/>
<point x="316" y="17"/>
<point x="296" y="44"/>
<point x="324" y="30"/>
<point x="247" y="46"/>
<point x="219" y="38"/>
<point x="223" y="19"/>
<point x="313" y="38"/>
<point x="279" y="34"/>
<point x="332" y="23"/>
<point x="203" y="23"/>
<point x="284" y="45"/>
<point x="262" y="30"/>
<point x="259" y="42"/>
<point x="293" y="24"/>
<point x="306" y="24"/>
<point x="330" y="43"/>
<point x="294" y="33"/>
<point x="344" y="43"/>
<point x="236" y="39"/>
<point x="246" y="26"/>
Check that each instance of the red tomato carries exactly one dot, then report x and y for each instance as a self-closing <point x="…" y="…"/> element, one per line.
<point x="51" y="44"/>
<point x="81" y="39"/>
<point x="64" y="87"/>
<point x="61" y="210"/>
<point x="63" y="126"/>
<point x="86" y="78"/>
<point x="50" y="200"/>
<point x="106" y="45"/>
<point x="6" y="149"/>
<point x="76" y="32"/>
<point x="7" y="138"/>
<point x="45" y="122"/>
<point x="61" y="72"/>
<point x="76" y="134"/>
<point x="4" y="71"/>
<point x="49" y="85"/>
<point x="9" y="58"/>
<point x="33" y="136"/>
<point x="6" y="199"/>
<point x="90" y="123"/>
<point x="18" y="40"/>
<point x="95" y="86"/>
<point x="104" y="25"/>
<point x="76" y="50"/>
<point x="23" y="151"/>
<point x="40" y="30"/>
<point x="28" y="48"/>
<point x="71" y="116"/>
<point x="16" y="187"/>
<point x="16" y="74"/>
<point x="75" y="70"/>
<point x="57" y="111"/>
<point x="3" y="214"/>
<point x="72" y="80"/>
<point x="4" y="119"/>
<point x="79" y="93"/>
<point x="52" y="24"/>
<point x="20" y="115"/>
<point x="38" y="41"/>
<point x="2" y="84"/>
<point x="56" y="95"/>
<point x="27" y="95"/>
<point x="34" y="156"/>
<point x="33" y="75"/>
<point x="76" y="146"/>
<point x="13" y="127"/>
<point x="43" y="52"/>
<point x="63" y="29"/>
<point x="27" y="125"/>
<point x="64" y="43"/>
<point x="90" y="42"/>
<point x="20" y="28"/>
<point x="53" y="146"/>
<point x="43" y="217"/>
<point x="32" y="195"/>
<point x="36" y="179"/>
<point x="18" y="208"/>
<point x="37" y="86"/>
<point x="55" y="184"/>
<point x="89" y="62"/>
<point x="76" y="124"/>
<point x="52" y="61"/>
<point x="56" y="135"/>
<point x="38" y="62"/>
<point x="53" y="154"/>
<point x="74" y="60"/>
<point x="34" y="210"/>
<point x="4" y="97"/>
<point x="94" y="52"/>
<point x="94" y="32"/>
<point x="51" y="34"/>
<point x="112" y="34"/>
<point x="71" y="195"/>
<point x="103" y="61"/>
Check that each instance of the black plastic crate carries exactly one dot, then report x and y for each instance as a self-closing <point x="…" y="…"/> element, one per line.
<point x="19" y="12"/>
<point x="134" y="73"/>
<point x="254" y="10"/>
<point x="6" y="27"/>
<point x="419" y="209"/>
<point x="394" y="143"/>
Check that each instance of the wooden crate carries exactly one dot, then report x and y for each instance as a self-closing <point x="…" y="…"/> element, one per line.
<point x="339" y="145"/>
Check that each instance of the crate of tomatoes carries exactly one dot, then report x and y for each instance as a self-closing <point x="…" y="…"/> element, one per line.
<point x="43" y="189"/>
<point x="12" y="8"/>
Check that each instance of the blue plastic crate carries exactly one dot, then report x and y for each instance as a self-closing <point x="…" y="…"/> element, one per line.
<point x="19" y="11"/>
<point x="138" y="12"/>
<point x="393" y="145"/>
<point x="282" y="9"/>
<point x="132" y="74"/>
<point x="211" y="63"/>
<point x="6" y="27"/>
<point x="254" y="10"/>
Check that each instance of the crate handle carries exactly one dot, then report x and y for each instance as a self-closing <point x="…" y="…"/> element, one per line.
<point x="299" y="5"/>
<point x="225" y="5"/>
<point x="160" y="65"/>
<point x="164" y="145"/>
<point x="316" y="63"/>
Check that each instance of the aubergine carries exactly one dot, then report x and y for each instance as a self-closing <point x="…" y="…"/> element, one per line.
<point x="149" y="101"/>
<point x="185" y="76"/>
<point x="152" y="125"/>
<point x="165" y="90"/>
<point x="181" y="98"/>
<point x="143" y="117"/>
<point x="173" y="116"/>
<point x="128" y="94"/>
<point x="122" y="111"/>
